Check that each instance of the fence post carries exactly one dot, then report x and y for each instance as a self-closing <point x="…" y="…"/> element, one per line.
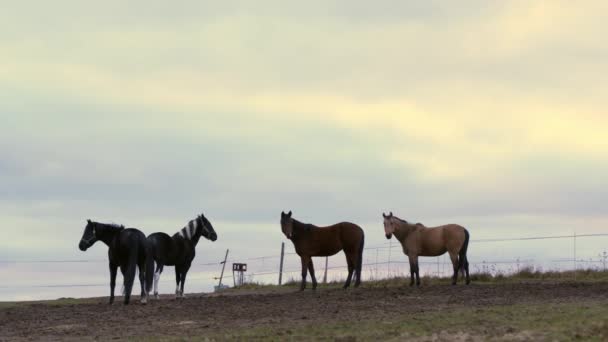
<point x="574" y="255"/>
<point x="223" y="267"/>
<point x="281" y="264"/>
<point x="388" y="267"/>
<point x="325" y="273"/>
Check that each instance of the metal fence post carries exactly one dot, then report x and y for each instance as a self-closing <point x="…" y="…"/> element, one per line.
<point x="281" y="264"/>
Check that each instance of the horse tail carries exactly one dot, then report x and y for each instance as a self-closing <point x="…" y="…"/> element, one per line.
<point x="149" y="265"/>
<point x="462" y="255"/>
<point x="360" y="260"/>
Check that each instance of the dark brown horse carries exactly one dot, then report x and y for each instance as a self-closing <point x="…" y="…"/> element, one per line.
<point x="418" y="240"/>
<point x="310" y="240"/>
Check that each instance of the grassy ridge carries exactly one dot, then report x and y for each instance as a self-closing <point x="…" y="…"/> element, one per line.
<point x="526" y="274"/>
<point x="561" y="322"/>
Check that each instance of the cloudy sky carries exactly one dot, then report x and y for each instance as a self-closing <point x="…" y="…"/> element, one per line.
<point x="149" y="112"/>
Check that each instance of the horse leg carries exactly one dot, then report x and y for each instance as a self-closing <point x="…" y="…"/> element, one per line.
<point x="159" y="270"/>
<point x="183" y="280"/>
<point x="311" y="268"/>
<point x="351" y="270"/>
<point x="417" y="270"/>
<point x="305" y="261"/>
<point x="178" y="278"/>
<point x="455" y="264"/>
<point x="143" y="297"/>
<point x="466" y="269"/>
<point x="413" y="263"/>
<point x="129" y="277"/>
<point x="113" y="271"/>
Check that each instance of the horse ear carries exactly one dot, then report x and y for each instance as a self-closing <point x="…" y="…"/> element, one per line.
<point x="282" y="214"/>
<point x="383" y="215"/>
<point x="391" y="214"/>
<point x="88" y="220"/>
<point x="289" y="214"/>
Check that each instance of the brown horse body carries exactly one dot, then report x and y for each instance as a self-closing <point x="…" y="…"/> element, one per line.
<point x="418" y="240"/>
<point x="310" y="241"/>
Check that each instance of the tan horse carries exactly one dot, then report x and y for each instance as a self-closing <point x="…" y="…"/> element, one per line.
<point x="310" y="240"/>
<point x="418" y="240"/>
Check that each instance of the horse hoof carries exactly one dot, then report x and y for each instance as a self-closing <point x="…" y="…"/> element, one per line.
<point x="156" y="296"/>
<point x="144" y="301"/>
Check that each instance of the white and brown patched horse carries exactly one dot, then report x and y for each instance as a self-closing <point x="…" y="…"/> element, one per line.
<point x="418" y="240"/>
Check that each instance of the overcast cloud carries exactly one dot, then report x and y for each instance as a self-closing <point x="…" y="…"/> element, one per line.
<point x="151" y="112"/>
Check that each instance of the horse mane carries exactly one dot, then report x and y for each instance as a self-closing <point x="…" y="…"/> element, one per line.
<point x="303" y="226"/>
<point x="417" y="225"/>
<point x="401" y="220"/>
<point x="188" y="232"/>
<point x="112" y="225"/>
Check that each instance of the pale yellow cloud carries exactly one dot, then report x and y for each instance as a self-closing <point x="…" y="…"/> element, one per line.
<point x="440" y="83"/>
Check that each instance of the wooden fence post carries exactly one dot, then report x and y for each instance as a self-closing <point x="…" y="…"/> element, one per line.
<point x="223" y="267"/>
<point x="281" y="265"/>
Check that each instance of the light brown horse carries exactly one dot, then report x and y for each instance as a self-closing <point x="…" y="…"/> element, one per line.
<point x="418" y="240"/>
<point x="310" y="240"/>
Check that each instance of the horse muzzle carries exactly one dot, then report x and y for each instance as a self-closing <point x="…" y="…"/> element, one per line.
<point x="83" y="246"/>
<point x="389" y="236"/>
<point x="213" y="237"/>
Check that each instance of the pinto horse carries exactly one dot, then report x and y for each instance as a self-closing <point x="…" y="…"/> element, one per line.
<point x="418" y="240"/>
<point x="127" y="250"/>
<point x="178" y="250"/>
<point x="310" y="240"/>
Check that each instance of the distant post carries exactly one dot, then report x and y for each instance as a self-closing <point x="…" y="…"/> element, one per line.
<point x="281" y="264"/>
<point x="388" y="266"/>
<point x="574" y="240"/>
<point x="325" y="273"/>
<point x="223" y="267"/>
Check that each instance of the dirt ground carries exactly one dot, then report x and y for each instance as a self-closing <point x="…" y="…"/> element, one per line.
<point x="222" y="316"/>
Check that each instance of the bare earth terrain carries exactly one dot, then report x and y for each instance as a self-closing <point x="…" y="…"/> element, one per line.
<point x="518" y="311"/>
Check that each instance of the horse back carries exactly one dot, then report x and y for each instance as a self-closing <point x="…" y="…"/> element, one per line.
<point x="438" y="240"/>
<point x="327" y="241"/>
<point x="130" y="243"/>
<point x="167" y="250"/>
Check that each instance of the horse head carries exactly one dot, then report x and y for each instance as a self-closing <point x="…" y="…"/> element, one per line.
<point x="89" y="236"/>
<point x="287" y="224"/>
<point x="389" y="225"/>
<point x="206" y="228"/>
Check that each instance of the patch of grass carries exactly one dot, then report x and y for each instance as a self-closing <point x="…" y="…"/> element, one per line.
<point x="562" y="322"/>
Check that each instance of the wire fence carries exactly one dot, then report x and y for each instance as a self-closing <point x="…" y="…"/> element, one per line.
<point x="380" y="261"/>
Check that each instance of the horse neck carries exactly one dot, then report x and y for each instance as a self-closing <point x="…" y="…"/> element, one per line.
<point x="403" y="230"/>
<point x="300" y="228"/>
<point x="108" y="233"/>
<point x="195" y="239"/>
<point x="196" y="235"/>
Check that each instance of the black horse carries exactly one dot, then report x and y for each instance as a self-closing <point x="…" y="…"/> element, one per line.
<point x="178" y="250"/>
<point x="127" y="249"/>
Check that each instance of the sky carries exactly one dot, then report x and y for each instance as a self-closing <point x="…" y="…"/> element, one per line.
<point x="491" y="114"/>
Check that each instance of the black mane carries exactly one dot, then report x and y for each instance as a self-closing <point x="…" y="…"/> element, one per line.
<point x="303" y="226"/>
<point x="111" y="226"/>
